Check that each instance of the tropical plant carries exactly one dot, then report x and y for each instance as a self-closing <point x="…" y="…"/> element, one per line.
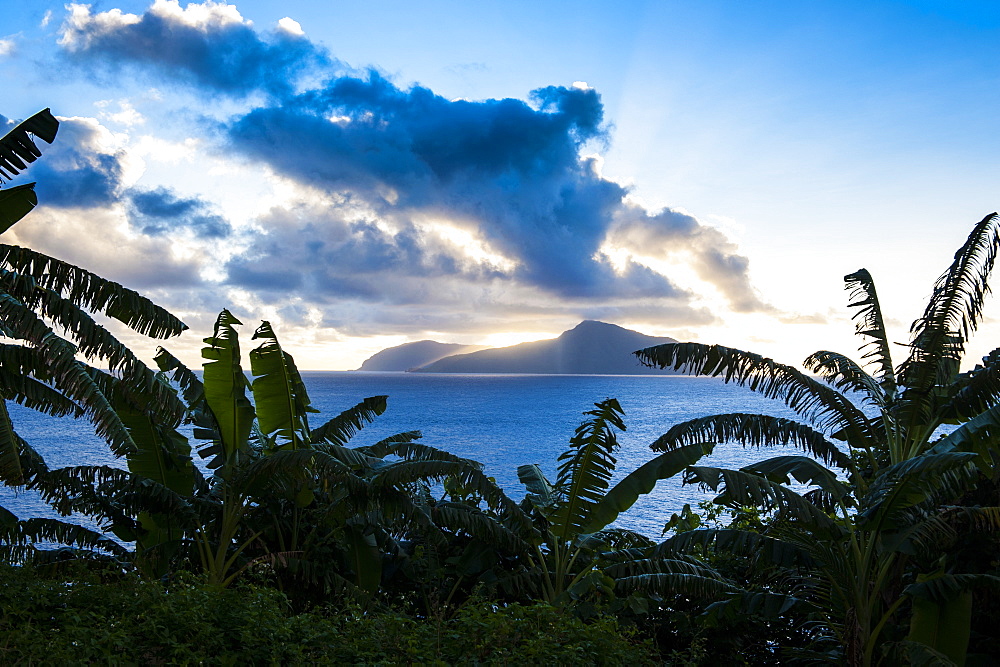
<point x="851" y="543"/>
<point x="579" y="553"/>
<point x="17" y="151"/>
<point x="267" y="463"/>
<point x="558" y="544"/>
<point x="41" y="369"/>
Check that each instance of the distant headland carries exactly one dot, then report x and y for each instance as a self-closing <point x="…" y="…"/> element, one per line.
<point x="589" y="348"/>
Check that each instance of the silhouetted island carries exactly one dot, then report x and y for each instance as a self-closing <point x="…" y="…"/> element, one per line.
<point x="413" y="355"/>
<point x="590" y="348"/>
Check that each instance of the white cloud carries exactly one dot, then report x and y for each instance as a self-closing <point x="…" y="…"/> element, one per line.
<point x="204" y="16"/>
<point x="80" y="26"/>
<point x="291" y="26"/>
<point x="126" y="114"/>
<point x="170" y="152"/>
<point x="6" y="47"/>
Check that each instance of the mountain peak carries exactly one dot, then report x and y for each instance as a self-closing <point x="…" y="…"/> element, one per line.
<point x="588" y="326"/>
<point x="589" y="348"/>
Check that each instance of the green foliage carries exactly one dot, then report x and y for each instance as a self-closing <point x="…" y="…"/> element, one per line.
<point x="846" y="549"/>
<point x="882" y="556"/>
<point x="65" y="619"/>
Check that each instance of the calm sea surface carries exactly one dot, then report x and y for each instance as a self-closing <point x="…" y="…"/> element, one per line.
<point x="502" y="421"/>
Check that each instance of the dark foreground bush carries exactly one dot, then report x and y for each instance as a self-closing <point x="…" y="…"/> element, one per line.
<point x="47" y="620"/>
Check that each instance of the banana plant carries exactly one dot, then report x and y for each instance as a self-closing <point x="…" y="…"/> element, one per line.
<point x="40" y="368"/>
<point x="879" y="430"/>
<point x="38" y="294"/>
<point x="560" y="536"/>
<point x="268" y="464"/>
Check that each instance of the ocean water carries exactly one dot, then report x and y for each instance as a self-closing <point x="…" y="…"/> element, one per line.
<point x="503" y="421"/>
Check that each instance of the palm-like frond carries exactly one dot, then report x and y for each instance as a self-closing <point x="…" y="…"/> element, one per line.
<point x="978" y="435"/>
<point x="355" y="458"/>
<point x="869" y="323"/>
<point x="907" y="483"/>
<point x="744" y="489"/>
<point x="816" y="402"/>
<point x="17" y="150"/>
<point x="688" y="585"/>
<point x="17" y="542"/>
<point x="946" y="586"/>
<point x="407" y="449"/>
<point x="541" y="494"/>
<point x="386" y="444"/>
<point x="110" y="495"/>
<point x="404" y="473"/>
<point x="621" y="539"/>
<point x="639" y="482"/>
<point x="975" y="391"/>
<point x="939" y="336"/>
<point x="681" y="565"/>
<point x="759" y="603"/>
<point x="23" y="365"/>
<point x="739" y="542"/>
<point x="94" y="342"/>
<point x="10" y="460"/>
<point x="280" y="397"/>
<point x="15" y="203"/>
<point x="198" y="411"/>
<point x="225" y="389"/>
<point x="586" y="469"/>
<point x="940" y="530"/>
<point x="163" y="454"/>
<point x="343" y="427"/>
<point x="289" y="468"/>
<point x="190" y="384"/>
<point x="64" y="371"/>
<point x="843" y="373"/>
<point x="92" y="292"/>
<point x="804" y="470"/>
<point x="477" y="524"/>
<point x="754" y="431"/>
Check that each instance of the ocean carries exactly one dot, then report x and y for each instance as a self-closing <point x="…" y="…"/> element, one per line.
<point x="502" y="421"/>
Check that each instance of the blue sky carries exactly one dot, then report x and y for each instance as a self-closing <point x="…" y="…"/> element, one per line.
<point x="364" y="174"/>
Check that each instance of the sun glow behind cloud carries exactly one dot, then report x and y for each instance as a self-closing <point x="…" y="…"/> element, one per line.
<point x="468" y="245"/>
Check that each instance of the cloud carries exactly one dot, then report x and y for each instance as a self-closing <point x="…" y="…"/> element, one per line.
<point x="126" y="114"/>
<point x="403" y="198"/>
<point x="712" y="257"/>
<point x="83" y="168"/>
<point x="143" y="263"/>
<point x="318" y="251"/>
<point x="159" y="211"/>
<point x="208" y="44"/>
<point x="7" y="47"/>
<point x="507" y="171"/>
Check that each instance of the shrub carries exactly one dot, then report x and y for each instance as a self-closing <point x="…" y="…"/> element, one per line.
<point x="86" y="618"/>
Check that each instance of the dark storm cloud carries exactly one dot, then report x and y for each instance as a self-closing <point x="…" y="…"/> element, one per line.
<point x="209" y="45"/>
<point x="78" y="169"/>
<point x="159" y="211"/>
<point x="512" y="169"/>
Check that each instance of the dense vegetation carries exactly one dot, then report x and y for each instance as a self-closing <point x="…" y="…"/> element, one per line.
<point x="296" y="546"/>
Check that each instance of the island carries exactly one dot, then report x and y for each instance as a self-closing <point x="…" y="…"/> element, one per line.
<point x="589" y="348"/>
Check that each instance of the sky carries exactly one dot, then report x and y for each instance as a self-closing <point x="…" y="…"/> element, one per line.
<point x="367" y="174"/>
